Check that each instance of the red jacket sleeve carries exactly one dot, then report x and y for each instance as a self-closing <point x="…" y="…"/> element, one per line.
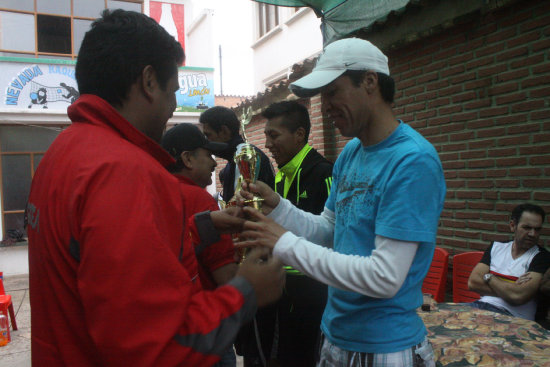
<point x="142" y="307"/>
<point x="220" y="253"/>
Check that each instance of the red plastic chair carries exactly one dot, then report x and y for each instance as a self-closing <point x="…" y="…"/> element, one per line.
<point x="463" y="264"/>
<point x="6" y="306"/>
<point x="435" y="281"/>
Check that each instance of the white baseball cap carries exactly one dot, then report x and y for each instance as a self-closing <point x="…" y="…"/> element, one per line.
<point x="336" y="59"/>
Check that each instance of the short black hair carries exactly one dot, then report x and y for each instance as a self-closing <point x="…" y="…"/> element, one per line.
<point x="295" y="115"/>
<point x="385" y="82"/>
<point x="117" y="48"/>
<point x="219" y="116"/>
<point x="526" y="207"/>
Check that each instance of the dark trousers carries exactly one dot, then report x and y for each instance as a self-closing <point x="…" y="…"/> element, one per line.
<point x="289" y="331"/>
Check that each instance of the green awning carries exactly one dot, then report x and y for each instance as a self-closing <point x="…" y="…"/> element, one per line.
<point x="321" y="6"/>
<point x="339" y="18"/>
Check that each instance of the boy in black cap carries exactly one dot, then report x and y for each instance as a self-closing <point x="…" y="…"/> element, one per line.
<point x="193" y="153"/>
<point x="193" y="169"/>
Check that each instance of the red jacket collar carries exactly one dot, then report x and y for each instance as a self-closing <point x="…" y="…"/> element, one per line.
<point x="94" y="110"/>
<point x="185" y="180"/>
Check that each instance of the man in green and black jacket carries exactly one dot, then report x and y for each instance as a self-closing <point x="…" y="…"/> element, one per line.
<point x="288" y="331"/>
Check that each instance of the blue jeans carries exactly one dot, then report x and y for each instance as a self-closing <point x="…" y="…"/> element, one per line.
<point x="228" y="359"/>
<point x="488" y="307"/>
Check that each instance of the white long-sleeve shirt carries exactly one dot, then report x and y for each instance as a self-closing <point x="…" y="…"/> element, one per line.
<point x="379" y="275"/>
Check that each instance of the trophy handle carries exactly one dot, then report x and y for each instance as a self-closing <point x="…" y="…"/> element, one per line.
<point x="245" y="120"/>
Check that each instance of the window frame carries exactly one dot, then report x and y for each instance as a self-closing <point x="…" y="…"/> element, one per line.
<point x="263" y="14"/>
<point x="74" y="48"/>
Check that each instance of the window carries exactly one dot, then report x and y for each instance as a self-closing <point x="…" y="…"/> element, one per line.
<point x="88" y="8"/>
<point x="21" y="149"/>
<point x="60" y="25"/>
<point x="11" y="36"/>
<point x="57" y="7"/>
<point x="80" y="27"/>
<point x="268" y="18"/>
<point x="54" y="34"/>
<point x="24" y="5"/>
<point x="126" y="5"/>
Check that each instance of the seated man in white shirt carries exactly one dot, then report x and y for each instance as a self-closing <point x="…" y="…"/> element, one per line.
<point x="509" y="274"/>
<point x="543" y="308"/>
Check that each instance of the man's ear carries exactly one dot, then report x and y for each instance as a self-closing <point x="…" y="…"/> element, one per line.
<point x="512" y="226"/>
<point x="149" y="82"/>
<point x="370" y="82"/>
<point x="300" y="134"/>
<point x="186" y="159"/>
<point x="225" y="133"/>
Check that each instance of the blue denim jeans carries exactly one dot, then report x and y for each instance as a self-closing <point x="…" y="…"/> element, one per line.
<point x="489" y="307"/>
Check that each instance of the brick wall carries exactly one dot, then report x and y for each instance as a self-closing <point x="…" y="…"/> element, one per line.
<point x="479" y="92"/>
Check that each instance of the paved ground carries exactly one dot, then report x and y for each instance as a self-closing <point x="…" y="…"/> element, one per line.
<point x="17" y="353"/>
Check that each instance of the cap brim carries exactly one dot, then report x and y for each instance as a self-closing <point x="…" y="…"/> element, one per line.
<point x="215" y="147"/>
<point x="312" y="83"/>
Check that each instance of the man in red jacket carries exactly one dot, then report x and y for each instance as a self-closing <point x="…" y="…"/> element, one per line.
<point x="113" y="282"/>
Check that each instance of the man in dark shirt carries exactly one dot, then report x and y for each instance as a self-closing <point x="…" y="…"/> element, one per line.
<point x="288" y="331"/>
<point x="220" y="124"/>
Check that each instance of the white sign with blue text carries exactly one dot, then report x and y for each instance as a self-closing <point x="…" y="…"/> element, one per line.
<point x="37" y="85"/>
<point x="53" y="86"/>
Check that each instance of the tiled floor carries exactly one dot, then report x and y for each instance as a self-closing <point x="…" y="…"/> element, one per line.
<point x="17" y="353"/>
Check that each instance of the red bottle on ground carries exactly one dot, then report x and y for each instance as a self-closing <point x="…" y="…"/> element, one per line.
<point x="4" y="325"/>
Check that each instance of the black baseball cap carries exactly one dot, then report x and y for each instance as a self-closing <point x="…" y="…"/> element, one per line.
<point x="187" y="137"/>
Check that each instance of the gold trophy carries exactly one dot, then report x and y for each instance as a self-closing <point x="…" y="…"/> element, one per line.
<point x="248" y="162"/>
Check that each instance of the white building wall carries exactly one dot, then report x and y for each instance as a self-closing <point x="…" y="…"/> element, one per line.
<point x="228" y="25"/>
<point x="235" y="31"/>
<point x="248" y="64"/>
<point x="293" y="40"/>
<point x="200" y="46"/>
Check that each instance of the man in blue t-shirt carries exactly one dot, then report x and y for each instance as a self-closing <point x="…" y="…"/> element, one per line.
<point x="378" y="228"/>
